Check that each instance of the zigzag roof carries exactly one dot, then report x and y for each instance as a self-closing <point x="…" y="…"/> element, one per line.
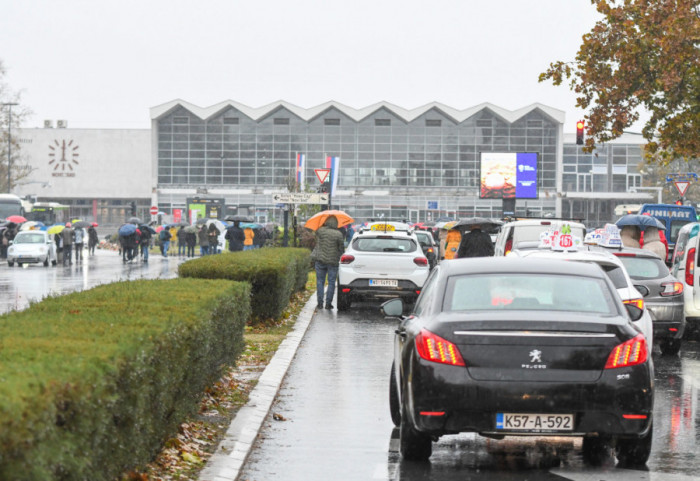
<point x="356" y="114"/>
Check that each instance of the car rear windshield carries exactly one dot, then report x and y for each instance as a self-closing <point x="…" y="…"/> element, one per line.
<point x="384" y="244"/>
<point x="424" y="239"/>
<point x="640" y="268"/>
<point x="29" y="239"/>
<point x="514" y="292"/>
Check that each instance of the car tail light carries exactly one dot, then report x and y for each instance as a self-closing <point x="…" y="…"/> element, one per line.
<point x="690" y="267"/>
<point x="346" y="259"/>
<point x="629" y="353"/>
<point x="430" y="249"/>
<point x="432" y="347"/>
<point x="635" y="302"/>
<point x="624" y="254"/>
<point x="672" y="289"/>
<point x="420" y="261"/>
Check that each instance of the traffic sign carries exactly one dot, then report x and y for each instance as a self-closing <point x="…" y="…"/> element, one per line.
<point x="300" y="198"/>
<point x="154" y="210"/>
<point x="681" y="177"/>
<point x="682" y="187"/>
<point x="322" y="174"/>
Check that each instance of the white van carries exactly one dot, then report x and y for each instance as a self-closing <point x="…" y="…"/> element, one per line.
<point x="525" y="234"/>
<point x="684" y="268"/>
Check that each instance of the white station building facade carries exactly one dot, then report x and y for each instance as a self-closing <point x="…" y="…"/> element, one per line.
<point x="419" y="164"/>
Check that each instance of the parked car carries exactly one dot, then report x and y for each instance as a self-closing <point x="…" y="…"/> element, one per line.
<point x="31" y="247"/>
<point x="685" y="259"/>
<point x="384" y="260"/>
<point x="525" y="233"/>
<point x="428" y="245"/>
<point x="513" y="346"/>
<point x="662" y="292"/>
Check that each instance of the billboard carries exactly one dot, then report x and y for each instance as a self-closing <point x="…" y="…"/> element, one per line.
<point x="508" y="175"/>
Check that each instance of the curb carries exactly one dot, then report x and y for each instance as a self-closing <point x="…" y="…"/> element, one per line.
<point x="225" y="464"/>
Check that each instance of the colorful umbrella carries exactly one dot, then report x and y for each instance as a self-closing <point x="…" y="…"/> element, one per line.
<point x="317" y="220"/>
<point x="55" y="229"/>
<point x="17" y="219"/>
<point x="32" y="225"/>
<point x="127" y="229"/>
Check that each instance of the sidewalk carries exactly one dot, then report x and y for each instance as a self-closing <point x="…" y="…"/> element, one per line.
<point x="226" y="463"/>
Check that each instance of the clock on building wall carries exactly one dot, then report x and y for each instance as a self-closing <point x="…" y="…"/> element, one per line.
<point x="63" y="158"/>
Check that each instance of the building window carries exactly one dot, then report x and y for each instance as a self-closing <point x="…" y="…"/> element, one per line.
<point x="181" y="120"/>
<point x="230" y="120"/>
<point x="382" y="122"/>
<point x="331" y="121"/>
<point x="281" y="121"/>
<point x="433" y="122"/>
<point x="484" y="123"/>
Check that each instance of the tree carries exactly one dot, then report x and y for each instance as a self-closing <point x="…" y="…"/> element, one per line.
<point x="20" y="168"/>
<point x="642" y="54"/>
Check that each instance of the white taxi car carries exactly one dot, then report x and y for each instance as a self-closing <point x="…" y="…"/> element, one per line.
<point x="31" y="247"/>
<point x="611" y="265"/>
<point x="384" y="260"/>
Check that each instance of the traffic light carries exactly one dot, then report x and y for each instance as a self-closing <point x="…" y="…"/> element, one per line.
<point x="679" y="202"/>
<point x="579" y="132"/>
<point x="325" y="187"/>
<point x="133" y="207"/>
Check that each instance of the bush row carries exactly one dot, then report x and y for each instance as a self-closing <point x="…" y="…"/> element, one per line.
<point x="93" y="382"/>
<point x="274" y="273"/>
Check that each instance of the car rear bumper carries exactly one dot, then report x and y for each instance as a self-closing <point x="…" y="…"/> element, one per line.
<point x="667" y="319"/>
<point x="472" y="406"/>
<point x="360" y="289"/>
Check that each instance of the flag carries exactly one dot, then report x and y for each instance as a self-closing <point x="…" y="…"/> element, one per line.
<point x="333" y="163"/>
<point x="301" y="159"/>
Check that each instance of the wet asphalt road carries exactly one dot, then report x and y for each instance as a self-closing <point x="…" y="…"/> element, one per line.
<point x="336" y="423"/>
<point x="21" y="285"/>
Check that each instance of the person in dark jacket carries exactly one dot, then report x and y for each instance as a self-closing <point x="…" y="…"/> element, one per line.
<point x="235" y="237"/>
<point x="330" y="245"/>
<point x="93" y="240"/>
<point x="181" y="241"/>
<point x="476" y="243"/>
<point x="203" y="236"/>
<point x="145" y="242"/>
<point x="164" y="238"/>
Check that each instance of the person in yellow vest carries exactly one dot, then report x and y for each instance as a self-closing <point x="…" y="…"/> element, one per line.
<point x="454" y="237"/>
<point x="249" y="236"/>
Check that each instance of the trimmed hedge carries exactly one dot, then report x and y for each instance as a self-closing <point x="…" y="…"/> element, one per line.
<point x="93" y="382"/>
<point x="274" y="273"/>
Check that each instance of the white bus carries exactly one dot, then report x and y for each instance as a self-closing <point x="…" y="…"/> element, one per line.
<point x="10" y="204"/>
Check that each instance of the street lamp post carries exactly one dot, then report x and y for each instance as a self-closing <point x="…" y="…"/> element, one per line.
<point x="9" y="144"/>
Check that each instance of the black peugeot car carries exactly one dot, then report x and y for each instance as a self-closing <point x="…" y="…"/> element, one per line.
<point x="510" y="346"/>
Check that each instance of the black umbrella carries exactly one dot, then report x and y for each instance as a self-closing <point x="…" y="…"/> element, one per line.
<point x="134" y="220"/>
<point x="144" y="227"/>
<point x="482" y="221"/>
<point x="239" y="218"/>
<point x="81" y="224"/>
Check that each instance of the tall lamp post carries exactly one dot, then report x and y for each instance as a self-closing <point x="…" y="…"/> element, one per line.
<point x="9" y="143"/>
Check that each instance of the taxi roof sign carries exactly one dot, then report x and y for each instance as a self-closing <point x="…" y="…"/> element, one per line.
<point x="559" y="239"/>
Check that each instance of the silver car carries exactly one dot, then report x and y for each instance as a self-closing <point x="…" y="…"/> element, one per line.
<point x="31" y="247"/>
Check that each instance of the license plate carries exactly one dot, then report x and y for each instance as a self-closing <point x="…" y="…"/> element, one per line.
<point x="384" y="283"/>
<point x="534" y="422"/>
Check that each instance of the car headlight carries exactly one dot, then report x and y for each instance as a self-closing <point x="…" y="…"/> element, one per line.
<point x="11" y="250"/>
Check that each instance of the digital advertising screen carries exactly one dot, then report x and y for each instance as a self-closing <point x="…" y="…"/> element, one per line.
<point x="508" y="175"/>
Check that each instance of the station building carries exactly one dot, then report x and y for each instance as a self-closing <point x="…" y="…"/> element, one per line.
<point x="419" y="164"/>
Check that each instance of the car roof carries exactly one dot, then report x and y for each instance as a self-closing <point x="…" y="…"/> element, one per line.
<point x="544" y="221"/>
<point x="637" y="252"/>
<point x="515" y="264"/>
<point x="598" y="256"/>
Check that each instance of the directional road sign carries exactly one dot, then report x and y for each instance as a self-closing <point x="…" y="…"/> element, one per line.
<point x="300" y="198"/>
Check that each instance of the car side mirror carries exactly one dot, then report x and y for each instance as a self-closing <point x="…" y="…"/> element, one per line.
<point x="392" y="308"/>
<point x="634" y="312"/>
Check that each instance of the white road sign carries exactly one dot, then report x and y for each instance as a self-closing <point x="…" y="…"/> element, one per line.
<point x="300" y="198"/>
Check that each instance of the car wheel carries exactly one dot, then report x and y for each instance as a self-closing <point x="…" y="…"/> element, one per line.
<point x="46" y="262"/>
<point x="634" y="452"/>
<point x="19" y="264"/>
<point x="596" y="450"/>
<point x="414" y="445"/>
<point x="394" y="405"/>
<point x="343" y="301"/>
<point x="54" y="262"/>
<point x="670" y="347"/>
<point x="10" y="263"/>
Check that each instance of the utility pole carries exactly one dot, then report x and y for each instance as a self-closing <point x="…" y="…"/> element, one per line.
<point x="9" y="144"/>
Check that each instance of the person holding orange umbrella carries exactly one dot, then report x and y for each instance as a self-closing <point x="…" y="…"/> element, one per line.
<point x="330" y="245"/>
<point x="317" y="220"/>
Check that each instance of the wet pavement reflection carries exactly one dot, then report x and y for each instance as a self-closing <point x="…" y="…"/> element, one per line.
<point x="19" y="286"/>
<point x="336" y="423"/>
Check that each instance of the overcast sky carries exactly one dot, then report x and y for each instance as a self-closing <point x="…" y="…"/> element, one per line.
<point x="104" y="64"/>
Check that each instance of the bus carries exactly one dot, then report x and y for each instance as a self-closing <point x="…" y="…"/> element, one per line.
<point x="10" y="204"/>
<point x="49" y="213"/>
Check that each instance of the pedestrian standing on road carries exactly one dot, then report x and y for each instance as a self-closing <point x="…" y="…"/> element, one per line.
<point x="164" y="238"/>
<point x="330" y="245"/>
<point x="145" y="243"/>
<point x="249" y="236"/>
<point x="213" y="234"/>
<point x="181" y="241"/>
<point x="93" y="240"/>
<point x="476" y="243"/>
<point x="67" y="236"/>
<point x="191" y="241"/>
<point x="235" y="237"/>
<point x="452" y="241"/>
<point x="79" y="235"/>
<point x="203" y="240"/>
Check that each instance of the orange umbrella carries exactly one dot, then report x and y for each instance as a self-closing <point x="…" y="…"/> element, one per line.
<point x="317" y="220"/>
